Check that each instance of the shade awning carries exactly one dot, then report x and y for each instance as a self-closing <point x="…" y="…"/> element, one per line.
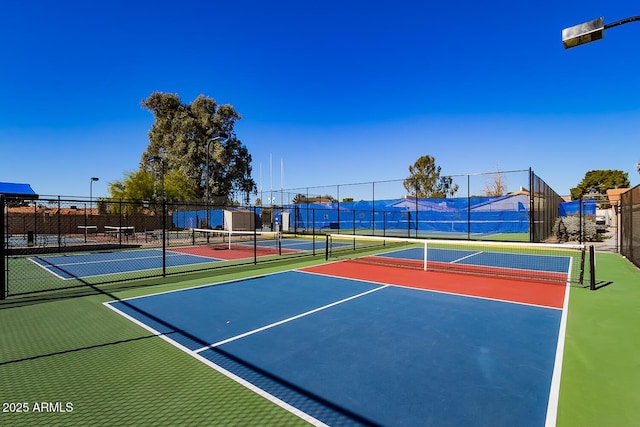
<point x="17" y="191"/>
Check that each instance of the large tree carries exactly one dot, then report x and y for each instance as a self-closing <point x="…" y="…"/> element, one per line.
<point x="425" y="181"/>
<point x="198" y="141"/>
<point x="150" y="184"/>
<point x="599" y="181"/>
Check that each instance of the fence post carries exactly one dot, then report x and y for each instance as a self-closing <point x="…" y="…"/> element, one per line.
<point x="3" y="273"/>
<point x="580" y="216"/>
<point x="384" y="223"/>
<point x="59" y="222"/>
<point x="164" y="231"/>
<point x="592" y="268"/>
<point x="339" y="225"/>
<point x="468" y="208"/>
<point x="353" y="220"/>
<point x="416" y="212"/>
<point x="532" y="208"/>
<point x="119" y="234"/>
<point x="255" y="237"/>
<point x="313" y="227"/>
<point x="373" y="208"/>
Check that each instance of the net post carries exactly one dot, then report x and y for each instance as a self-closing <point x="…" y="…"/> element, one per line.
<point x="279" y="242"/>
<point x="582" y="259"/>
<point x="326" y="248"/>
<point x="592" y="268"/>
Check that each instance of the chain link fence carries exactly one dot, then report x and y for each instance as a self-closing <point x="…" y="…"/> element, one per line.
<point x="630" y="225"/>
<point x="57" y="242"/>
<point x="511" y="205"/>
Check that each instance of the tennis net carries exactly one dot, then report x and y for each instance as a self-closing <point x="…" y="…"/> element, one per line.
<point x="532" y="261"/>
<point x="262" y="242"/>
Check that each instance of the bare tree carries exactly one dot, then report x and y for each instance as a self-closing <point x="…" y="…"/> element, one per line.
<point x="497" y="187"/>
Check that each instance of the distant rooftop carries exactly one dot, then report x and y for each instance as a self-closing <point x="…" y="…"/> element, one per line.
<point x="614" y="194"/>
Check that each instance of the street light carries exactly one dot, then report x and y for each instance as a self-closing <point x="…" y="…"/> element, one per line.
<point x="91" y="192"/>
<point x="161" y="160"/>
<point x="164" y="212"/>
<point x="214" y="137"/>
<point x="590" y="31"/>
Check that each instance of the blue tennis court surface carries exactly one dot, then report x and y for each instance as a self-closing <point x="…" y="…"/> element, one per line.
<point x="350" y="352"/>
<point x="100" y="263"/>
<point x="301" y="244"/>
<point x="43" y="240"/>
<point x="69" y="266"/>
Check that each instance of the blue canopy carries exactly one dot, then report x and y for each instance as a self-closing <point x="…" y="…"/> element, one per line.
<point x="20" y="191"/>
<point x="573" y="207"/>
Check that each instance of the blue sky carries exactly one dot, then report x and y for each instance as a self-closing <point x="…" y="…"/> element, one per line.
<point x="337" y="92"/>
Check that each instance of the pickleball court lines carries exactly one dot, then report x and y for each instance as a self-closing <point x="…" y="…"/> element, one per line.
<point x="542" y="294"/>
<point x="281" y="322"/>
<point x="73" y="266"/>
<point x="348" y="320"/>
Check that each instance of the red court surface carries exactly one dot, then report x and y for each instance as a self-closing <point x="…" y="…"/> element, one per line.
<point x="547" y="294"/>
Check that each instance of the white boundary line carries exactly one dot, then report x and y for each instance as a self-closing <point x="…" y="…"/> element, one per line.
<point x="432" y="290"/>
<point x="555" y="381"/>
<point x="115" y="260"/>
<point x="465" y="257"/>
<point x="515" y="277"/>
<point x="456" y="261"/>
<point x="554" y="392"/>
<point x="466" y="243"/>
<point x="173" y="254"/>
<point x="292" y="409"/>
<point x="272" y="325"/>
<point x="46" y="268"/>
<point x="257" y="276"/>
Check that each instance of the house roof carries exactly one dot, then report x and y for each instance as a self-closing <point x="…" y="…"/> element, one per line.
<point x="20" y="191"/>
<point x="614" y="194"/>
<point x="512" y="202"/>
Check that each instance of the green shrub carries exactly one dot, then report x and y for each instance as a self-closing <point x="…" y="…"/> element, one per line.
<point x="567" y="229"/>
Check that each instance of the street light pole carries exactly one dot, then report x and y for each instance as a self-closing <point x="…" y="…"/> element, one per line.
<point x="164" y="213"/>
<point x="590" y="31"/>
<point x="586" y="33"/>
<point x="215" y="137"/>
<point x="91" y="193"/>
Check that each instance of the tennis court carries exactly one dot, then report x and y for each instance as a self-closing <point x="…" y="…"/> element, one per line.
<point x="265" y="241"/>
<point x="353" y="343"/>
<point x="42" y="240"/>
<point x="81" y="265"/>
